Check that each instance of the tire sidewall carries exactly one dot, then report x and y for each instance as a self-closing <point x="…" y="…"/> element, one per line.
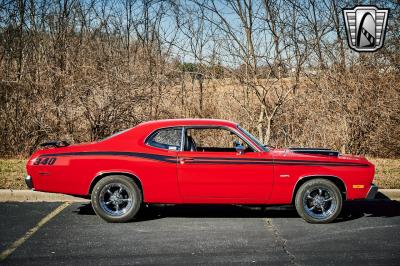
<point x="130" y="184"/>
<point x="318" y="183"/>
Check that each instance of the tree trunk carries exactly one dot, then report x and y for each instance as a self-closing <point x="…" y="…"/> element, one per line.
<point x="268" y="130"/>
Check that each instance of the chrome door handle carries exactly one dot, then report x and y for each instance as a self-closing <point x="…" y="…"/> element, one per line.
<point x="183" y="160"/>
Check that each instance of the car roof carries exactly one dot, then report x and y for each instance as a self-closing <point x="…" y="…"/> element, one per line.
<point x="142" y="131"/>
<point x="188" y="122"/>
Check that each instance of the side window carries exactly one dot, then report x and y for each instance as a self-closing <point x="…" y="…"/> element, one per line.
<point x="169" y="138"/>
<point x="213" y="140"/>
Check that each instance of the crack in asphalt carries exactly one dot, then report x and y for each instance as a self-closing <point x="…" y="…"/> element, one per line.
<point x="281" y="241"/>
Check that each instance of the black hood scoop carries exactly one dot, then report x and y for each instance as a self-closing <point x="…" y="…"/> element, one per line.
<point x="316" y="151"/>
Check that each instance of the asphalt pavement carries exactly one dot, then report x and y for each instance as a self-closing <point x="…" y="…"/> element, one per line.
<point x="368" y="233"/>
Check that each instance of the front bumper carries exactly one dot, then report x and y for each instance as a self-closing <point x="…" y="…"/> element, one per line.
<point x="28" y="181"/>
<point x="372" y="192"/>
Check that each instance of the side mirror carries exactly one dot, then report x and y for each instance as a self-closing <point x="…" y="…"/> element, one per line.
<point x="240" y="149"/>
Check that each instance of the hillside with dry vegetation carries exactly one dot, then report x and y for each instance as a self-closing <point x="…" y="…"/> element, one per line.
<point x="82" y="70"/>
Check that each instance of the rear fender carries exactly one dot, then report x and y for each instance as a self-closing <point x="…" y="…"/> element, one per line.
<point x="103" y="174"/>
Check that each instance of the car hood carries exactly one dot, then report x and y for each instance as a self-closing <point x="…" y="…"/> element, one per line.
<point x="289" y="154"/>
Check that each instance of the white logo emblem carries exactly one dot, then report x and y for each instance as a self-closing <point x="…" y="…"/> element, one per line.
<point x="365" y="27"/>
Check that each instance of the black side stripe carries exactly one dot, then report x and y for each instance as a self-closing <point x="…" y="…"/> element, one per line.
<point x="157" y="157"/>
<point x="206" y="160"/>
<point x="277" y="161"/>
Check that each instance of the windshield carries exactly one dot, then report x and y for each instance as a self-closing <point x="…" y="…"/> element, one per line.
<point x="254" y="139"/>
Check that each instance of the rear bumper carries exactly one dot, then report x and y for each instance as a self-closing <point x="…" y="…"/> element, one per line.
<point x="28" y="181"/>
<point x="372" y="192"/>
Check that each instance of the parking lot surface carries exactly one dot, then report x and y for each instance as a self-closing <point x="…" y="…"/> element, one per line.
<point x="368" y="232"/>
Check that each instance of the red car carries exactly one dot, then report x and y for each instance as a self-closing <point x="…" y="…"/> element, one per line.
<point x="192" y="161"/>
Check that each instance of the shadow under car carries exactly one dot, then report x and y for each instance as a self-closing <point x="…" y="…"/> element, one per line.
<point x="381" y="206"/>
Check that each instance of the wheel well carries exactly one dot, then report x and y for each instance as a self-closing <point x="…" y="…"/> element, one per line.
<point x="336" y="180"/>
<point x="101" y="176"/>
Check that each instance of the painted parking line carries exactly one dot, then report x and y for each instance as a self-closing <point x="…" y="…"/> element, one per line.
<point x="4" y="254"/>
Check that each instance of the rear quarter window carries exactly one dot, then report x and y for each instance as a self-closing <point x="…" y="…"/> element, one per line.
<point x="168" y="138"/>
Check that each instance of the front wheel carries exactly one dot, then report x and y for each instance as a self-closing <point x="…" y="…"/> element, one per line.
<point x="116" y="198"/>
<point x="318" y="201"/>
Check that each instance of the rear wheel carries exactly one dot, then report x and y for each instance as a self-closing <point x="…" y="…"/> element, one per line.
<point x="116" y="198"/>
<point x="318" y="201"/>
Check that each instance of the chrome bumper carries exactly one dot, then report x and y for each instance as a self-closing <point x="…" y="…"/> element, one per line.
<point x="28" y="181"/>
<point x="372" y="192"/>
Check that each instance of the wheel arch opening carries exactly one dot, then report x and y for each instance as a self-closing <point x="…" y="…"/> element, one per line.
<point x="336" y="180"/>
<point x="101" y="176"/>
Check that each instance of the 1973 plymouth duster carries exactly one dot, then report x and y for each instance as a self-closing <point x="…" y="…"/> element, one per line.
<point x="193" y="161"/>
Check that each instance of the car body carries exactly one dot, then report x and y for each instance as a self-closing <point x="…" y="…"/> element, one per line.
<point x="181" y="175"/>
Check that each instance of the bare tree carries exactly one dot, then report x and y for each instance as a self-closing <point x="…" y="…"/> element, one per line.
<point x="82" y="70"/>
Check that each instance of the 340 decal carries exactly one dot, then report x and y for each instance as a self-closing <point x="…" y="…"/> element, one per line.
<point x="45" y="161"/>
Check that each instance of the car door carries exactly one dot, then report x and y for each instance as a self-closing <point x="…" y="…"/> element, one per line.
<point x="217" y="173"/>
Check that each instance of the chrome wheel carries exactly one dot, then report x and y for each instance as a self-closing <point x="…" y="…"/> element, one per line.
<point x="319" y="202"/>
<point x="116" y="199"/>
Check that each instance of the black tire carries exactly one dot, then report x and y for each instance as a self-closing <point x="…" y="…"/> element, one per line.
<point x="318" y="201"/>
<point x="119" y="190"/>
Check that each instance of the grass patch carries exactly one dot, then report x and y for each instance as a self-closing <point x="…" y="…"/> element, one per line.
<point x="387" y="172"/>
<point x="12" y="173"/>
